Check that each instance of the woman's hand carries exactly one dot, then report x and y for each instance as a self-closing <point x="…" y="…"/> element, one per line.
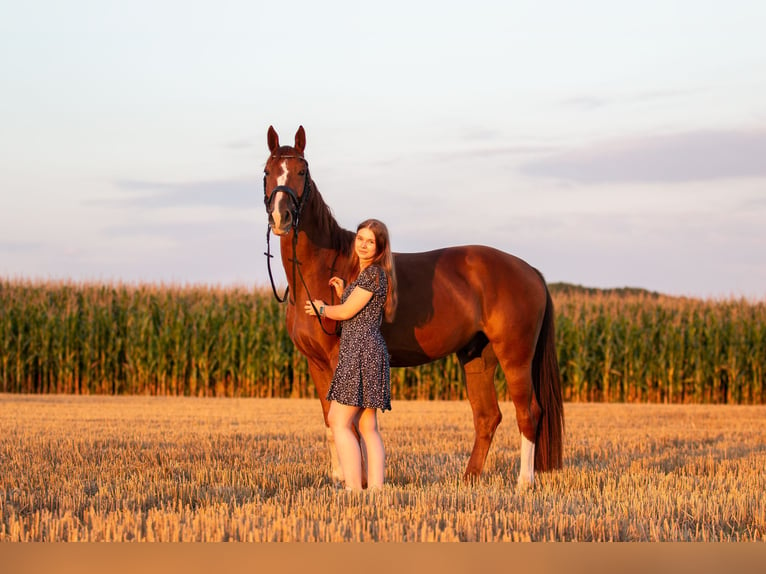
<point x="318" y="303"/>
<point x="338" y="284"/>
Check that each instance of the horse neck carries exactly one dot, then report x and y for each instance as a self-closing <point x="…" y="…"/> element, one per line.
<point x="321" y="249"/>
<point x="308" y="253"/>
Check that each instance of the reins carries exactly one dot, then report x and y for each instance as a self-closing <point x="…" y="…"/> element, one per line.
<point x="297" y="208"/>
<point x="269" y="257"/>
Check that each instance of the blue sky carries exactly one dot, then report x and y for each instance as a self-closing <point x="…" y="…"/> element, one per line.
<point x="607" y="143"/>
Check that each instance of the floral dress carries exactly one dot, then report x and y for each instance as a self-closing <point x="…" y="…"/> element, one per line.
<point x="362" y="377"/>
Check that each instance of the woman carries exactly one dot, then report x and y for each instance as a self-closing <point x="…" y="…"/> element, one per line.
<point x="361" y="382"/>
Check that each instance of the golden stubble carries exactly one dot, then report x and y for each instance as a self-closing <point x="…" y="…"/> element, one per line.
<point x="189" y="469"/>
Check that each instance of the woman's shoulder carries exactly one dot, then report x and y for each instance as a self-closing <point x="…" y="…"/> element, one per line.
<point x="373" y="270"/>
<point x="370" y="277"/>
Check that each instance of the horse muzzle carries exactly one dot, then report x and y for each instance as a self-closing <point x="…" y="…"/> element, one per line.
<point x="280" y="230"/>
<point x="282" y="207"/>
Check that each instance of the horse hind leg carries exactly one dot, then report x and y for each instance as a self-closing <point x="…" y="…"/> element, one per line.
<point x="479" y="364"/>
<point x="534" y="384"/>
<point x="528" y="414"/>
<point x="527" y="467"/>
<point x="336" y="472"/>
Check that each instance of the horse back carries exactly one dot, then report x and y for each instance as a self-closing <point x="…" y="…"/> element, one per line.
<point x="448" y="295"/>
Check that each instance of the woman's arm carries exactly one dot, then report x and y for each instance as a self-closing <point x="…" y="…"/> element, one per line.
<point x="356" y="301"/>
<point x="338" y="284"/>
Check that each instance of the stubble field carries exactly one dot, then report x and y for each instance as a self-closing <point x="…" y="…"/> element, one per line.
<point x="190" y="469"/>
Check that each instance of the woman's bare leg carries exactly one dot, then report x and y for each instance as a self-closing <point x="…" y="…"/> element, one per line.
<point x="341" y="418"/>
<point x="376" y="454"/>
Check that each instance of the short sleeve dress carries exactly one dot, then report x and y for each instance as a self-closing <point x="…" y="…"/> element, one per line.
<point x="362" y="377"/>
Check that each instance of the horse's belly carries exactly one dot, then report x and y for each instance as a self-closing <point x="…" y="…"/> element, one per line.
<point x="417" y="347"/>
<point x="408" y="358"/>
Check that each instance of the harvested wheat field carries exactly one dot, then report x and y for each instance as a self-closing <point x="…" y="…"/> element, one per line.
<point x="188" y="469"/>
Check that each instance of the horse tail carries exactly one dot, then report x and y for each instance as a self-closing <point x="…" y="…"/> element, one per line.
<point x="546" y="379"/>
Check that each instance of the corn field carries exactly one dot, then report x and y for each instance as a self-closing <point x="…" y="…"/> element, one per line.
<point x="106" y="468"/>
<point x="621" y="346"/>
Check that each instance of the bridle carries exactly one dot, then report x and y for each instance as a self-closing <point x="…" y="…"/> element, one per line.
<point x="297" y="206"/>
<point x="298" y="203"/>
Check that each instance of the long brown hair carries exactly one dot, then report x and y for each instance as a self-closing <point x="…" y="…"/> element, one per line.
<point x="383" y="258"/>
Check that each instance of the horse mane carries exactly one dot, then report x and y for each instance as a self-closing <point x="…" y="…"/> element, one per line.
<point x="340" y="239"/>
<point x="332" y="235"/>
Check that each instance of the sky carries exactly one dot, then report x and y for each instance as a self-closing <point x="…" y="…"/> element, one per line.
<point x="608" y="144"/>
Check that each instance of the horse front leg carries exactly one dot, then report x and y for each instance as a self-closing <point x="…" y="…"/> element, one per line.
<point x="480" y="385"/>
<point x="336" y="471"/>
<point x="321" y="375"/>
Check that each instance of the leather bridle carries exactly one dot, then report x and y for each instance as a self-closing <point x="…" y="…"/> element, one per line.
<point x="297" y="206"/>
<point x="297" y="203"/>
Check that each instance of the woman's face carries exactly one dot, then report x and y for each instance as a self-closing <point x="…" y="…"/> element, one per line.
<point x="365" y="245"/>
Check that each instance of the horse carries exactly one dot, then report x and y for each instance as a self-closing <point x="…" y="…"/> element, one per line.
<point x="487" y="306"/>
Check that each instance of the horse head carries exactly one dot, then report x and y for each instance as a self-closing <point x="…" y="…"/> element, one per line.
<point x="286" y="182"/>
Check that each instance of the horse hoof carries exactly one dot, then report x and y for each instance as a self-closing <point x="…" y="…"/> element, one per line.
<point x="471" y="477"/>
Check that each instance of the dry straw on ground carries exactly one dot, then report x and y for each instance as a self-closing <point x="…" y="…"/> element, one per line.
<point x="157" y="469"/>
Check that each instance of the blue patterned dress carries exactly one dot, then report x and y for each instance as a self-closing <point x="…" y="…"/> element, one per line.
<point x="362" y="377"/>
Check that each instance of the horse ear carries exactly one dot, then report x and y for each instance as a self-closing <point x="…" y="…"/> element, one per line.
<point x="273" y="139"/>
<point x="300" y="139"/>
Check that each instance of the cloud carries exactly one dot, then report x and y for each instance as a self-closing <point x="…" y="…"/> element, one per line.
<point x="683" y="157"/>
<point x="701" y="253"/>
<point x="19" y="246"/>
<point x="586" y="102"/>
<point x="182" y="231"/>
<point x="478" y="133"/>
<point x="240" y="145"/>
<point x="490" y="152"/>
<point x="591" y="102"/>
<point x="222" y="193"/>
<point x="755" y="203"/>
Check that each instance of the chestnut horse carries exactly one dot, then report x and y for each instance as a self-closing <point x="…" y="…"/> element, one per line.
<point x="487" y="306"/>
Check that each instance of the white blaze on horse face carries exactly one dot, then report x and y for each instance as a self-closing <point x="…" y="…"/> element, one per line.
<point x="282" y="177"/>
<point x="281" y="196"/>
<point x="527" y="470"/>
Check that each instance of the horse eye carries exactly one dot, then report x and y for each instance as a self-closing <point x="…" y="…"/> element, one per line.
<point x="265" y="172"/>
<point x="302" y="172"/>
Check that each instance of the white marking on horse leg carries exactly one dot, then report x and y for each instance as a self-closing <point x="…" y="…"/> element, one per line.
<point x="337" y="471"/>
<point x="527" y="469"/>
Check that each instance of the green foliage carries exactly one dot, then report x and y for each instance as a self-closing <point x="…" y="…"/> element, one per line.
<point x="159" y="340"/>
<point x="623" y="345"/>
<point x="640" y="347"/>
